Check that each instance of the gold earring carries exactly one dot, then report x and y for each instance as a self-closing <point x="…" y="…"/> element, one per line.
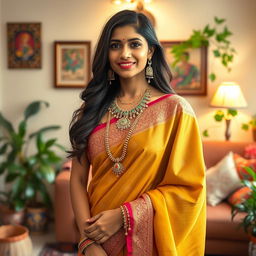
<point x="111" y="76"/>
<point x="149" y="71"/>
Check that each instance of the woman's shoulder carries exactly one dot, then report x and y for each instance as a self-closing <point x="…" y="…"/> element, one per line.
<point x="179" y="103"/>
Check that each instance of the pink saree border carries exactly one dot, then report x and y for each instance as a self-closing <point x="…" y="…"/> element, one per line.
<point x="114" y="245"/>
<point x="113" y="120"/>
<point x="139" y="240"/>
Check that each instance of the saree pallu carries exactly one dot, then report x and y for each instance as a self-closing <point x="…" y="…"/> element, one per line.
<point x="163" y="185"/>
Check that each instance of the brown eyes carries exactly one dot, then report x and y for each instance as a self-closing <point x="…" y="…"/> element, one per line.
<point x="132" y="45"/>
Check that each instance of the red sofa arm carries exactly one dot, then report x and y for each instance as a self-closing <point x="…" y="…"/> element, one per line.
<point x="65" y="226"/>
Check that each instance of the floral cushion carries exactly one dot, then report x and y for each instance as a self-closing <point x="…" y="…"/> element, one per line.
<point x="240" y="163"/>
<point x="250" y="151"/>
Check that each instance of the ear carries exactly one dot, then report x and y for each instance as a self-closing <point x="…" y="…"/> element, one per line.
<point x="151" y="51"/>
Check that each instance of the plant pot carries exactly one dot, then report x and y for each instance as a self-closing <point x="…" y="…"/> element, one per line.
<point x="15" y="241"/>
<point x="37" y="219"/>
<point x="9" y="216"/>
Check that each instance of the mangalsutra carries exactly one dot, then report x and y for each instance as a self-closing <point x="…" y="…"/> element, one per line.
<point x="118" y="167"/>
<point x="124" y="116"/>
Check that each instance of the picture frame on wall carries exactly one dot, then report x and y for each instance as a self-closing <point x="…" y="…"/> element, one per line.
<point x="190" y="74"/>
<point x="24" y="45"/>
<point x="72" y="64"/>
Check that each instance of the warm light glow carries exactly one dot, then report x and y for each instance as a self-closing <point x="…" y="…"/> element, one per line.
<point x="228" y="95"/>
<point x="116" y="1"/>
<point x="129" y="1"/>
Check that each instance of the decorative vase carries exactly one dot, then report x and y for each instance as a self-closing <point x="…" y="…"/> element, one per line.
<point x="37" y="219"/>
<point x="15" y="241"/>
<point x="252" y="246"/>
<point x="12" y="217"/>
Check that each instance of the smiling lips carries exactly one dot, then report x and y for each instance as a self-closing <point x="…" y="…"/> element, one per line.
<point x="126" y="65"/>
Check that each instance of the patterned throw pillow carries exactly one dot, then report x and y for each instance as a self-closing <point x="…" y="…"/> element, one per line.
<point x="240" y="163"/>
<point x="239" y="195"/>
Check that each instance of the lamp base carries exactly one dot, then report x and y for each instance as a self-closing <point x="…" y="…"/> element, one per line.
<point x="228" y="132"/>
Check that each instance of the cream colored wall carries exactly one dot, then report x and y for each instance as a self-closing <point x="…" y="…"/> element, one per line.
<point x="83" y="19"/>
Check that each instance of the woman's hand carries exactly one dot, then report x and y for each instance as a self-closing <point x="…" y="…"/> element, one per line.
<point x="95" y="249"/>
<point x="103" y="225"/>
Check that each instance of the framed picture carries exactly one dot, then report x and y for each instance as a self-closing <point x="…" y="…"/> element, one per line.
<point x="190" y="74"/>
<point x="72" y="64"/>
<point x="24" y="45"/>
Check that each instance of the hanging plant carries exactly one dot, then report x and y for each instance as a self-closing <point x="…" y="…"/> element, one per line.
<point x="216" y="36"/>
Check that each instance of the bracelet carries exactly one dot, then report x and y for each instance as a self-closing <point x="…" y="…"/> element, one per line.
<point x="128" y="217"/>
<point x="83" y="244"/>
<point x="123" y="211"/>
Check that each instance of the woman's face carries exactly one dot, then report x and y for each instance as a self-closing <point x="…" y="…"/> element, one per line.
<point x="128" y="52"/>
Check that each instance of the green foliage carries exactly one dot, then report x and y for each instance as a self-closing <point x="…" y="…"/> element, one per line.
<point x="205" y="133"/>
<point x="216" y="36"/>
<point x="251" y="123"/>
<point x="219" y="115"/>
<point x="248" y="205"/>
<point x="232" y="112"/>
<point x="28" y="174"/>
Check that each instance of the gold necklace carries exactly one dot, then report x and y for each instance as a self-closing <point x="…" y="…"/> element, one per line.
<point x="124" y="116"/>
<point x="118" y="167"/>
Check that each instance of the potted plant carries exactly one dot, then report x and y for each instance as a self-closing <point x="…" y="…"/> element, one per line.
<point x="248" y="206"/>
<point x="252" y="124"/>
<point x="27" y="166"/>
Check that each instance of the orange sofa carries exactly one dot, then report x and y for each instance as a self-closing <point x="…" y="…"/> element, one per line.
<point x="222" y="237"/>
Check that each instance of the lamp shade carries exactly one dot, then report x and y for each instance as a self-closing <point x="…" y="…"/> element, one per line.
<point x="228" y="95"/>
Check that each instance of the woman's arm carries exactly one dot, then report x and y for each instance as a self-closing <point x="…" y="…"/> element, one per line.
<point x="79" y="199"/>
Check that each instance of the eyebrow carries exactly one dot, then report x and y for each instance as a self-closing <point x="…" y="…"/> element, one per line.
<point x="129" y="40"/>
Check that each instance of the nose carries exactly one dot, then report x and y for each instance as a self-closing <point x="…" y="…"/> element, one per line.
<point x="126" y="52"/>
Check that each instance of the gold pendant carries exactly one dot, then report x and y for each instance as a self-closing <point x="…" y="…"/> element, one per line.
<point x="123" y="123"/>
<point x="118" y="169"/>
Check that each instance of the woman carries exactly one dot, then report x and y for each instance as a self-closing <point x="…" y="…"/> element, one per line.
<point x="147" y="194"/>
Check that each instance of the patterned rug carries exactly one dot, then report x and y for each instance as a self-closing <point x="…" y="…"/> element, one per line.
<point x="66" y="249"/>
<point x="59" y="249"/>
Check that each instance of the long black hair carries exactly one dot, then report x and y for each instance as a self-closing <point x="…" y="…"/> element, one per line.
<point x="98" y="94"/>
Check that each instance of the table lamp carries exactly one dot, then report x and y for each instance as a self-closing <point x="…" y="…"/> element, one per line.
<point x="229" y="96"/>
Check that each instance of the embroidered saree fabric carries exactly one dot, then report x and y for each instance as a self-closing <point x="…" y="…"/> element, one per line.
<point x="163" y="183"/>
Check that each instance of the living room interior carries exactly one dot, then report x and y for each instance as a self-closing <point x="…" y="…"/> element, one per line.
<point x="228" y="139"/>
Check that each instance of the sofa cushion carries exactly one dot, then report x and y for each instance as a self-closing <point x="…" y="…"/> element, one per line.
<point x="220" y="225"/>
<point x="221" y="180"/>
<point x="238" y="196"/>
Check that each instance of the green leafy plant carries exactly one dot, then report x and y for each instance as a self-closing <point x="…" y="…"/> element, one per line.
<point x="219" y="116"/>
<point x="27" y="173"/>
<point x="251" y="123"/>
<point x="248" y="205"/>
<point x="216" y="36"/>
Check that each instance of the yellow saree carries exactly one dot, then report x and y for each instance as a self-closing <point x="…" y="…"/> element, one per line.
<point x="163" y="183"/>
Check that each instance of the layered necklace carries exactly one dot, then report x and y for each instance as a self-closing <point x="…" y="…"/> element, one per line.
<point x="126" y="116"/>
